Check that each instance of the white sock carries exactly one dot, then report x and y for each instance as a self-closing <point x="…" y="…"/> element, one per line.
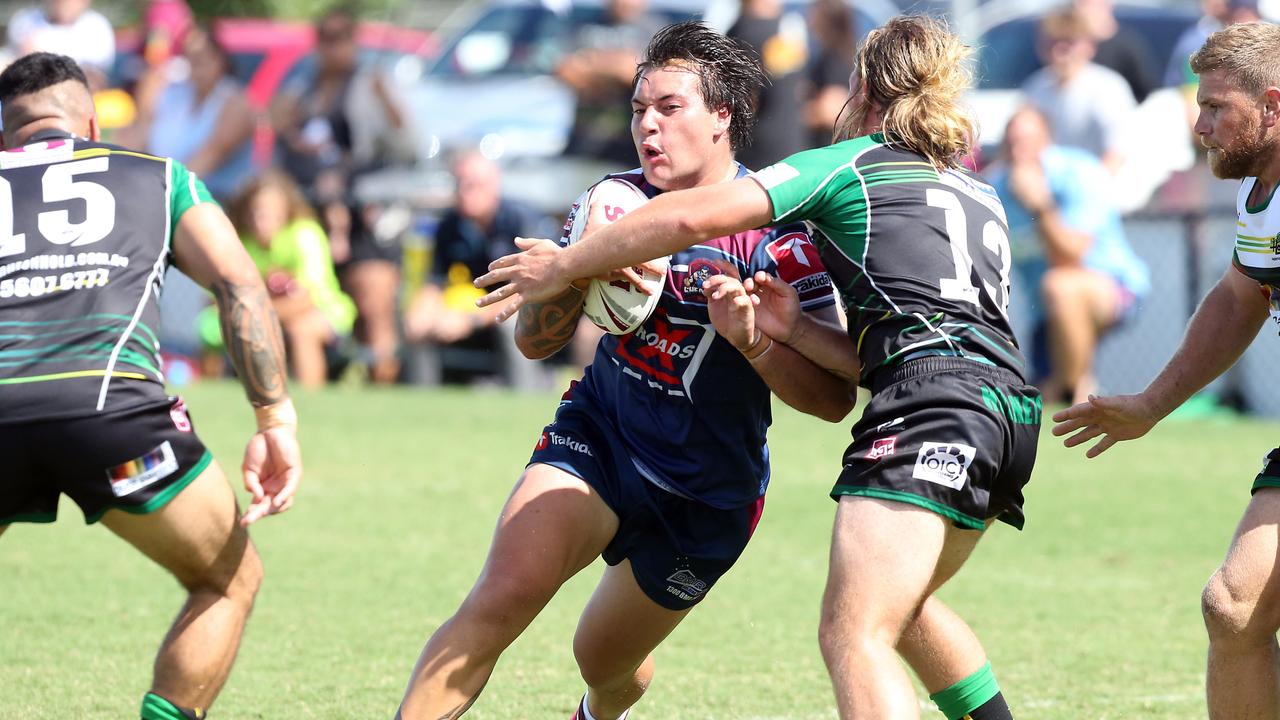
<point x="586" y="711"/>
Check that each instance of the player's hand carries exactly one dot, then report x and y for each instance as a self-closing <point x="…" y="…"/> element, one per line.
<point x="532" y="276"/>
<point x="272" y="468"/>
<point x="1115" y="418"/>
<point x="731" y="310"/>
<point x="777" y="306"/>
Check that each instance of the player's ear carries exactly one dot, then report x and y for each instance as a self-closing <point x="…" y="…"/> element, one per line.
<point x="724" y="118"/>
<point x="95" y="133"/>
<point x="1271" y="107"/>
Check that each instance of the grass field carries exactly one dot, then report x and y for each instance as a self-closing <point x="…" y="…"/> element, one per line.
<point x="1092" y="612"/>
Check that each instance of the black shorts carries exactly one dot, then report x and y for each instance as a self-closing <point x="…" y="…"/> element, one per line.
<point x="954" y="436"/>
<point x="678" y="547"/>
<point x="135" y="460"/>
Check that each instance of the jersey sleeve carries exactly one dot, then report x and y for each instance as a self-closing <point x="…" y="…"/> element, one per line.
<point x="185" y="192"/>
<point x="788" y="253"/>
<point x="818" y="185"/>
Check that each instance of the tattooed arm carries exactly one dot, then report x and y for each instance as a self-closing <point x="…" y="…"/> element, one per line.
<point x="206" y="248"/>
<point x="544" y="328"/>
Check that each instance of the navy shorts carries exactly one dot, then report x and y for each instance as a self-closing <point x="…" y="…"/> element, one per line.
<point x="135" y="460"/>
<point x="678" y="547"/>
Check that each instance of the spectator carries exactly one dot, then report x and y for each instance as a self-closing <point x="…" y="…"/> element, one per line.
<point x="66" y="27"/>
<point x="1215" y="15"/>
<point x="599" y="70"/>
<point x="780" y="40"/>
<point x="479" y="229"/>
<point x="200" y="116"/>
<point x="1067" y="240"/>
<point x="289" y="248"/>
<point x="1118" y="47"/>
<point x="332" y="127"/>
<point x="831" y="22"/>
<point x="1088" y="106"/>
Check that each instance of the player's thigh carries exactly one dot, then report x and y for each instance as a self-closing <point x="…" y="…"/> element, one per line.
<point x="553" y="525"/>
<point x="884" y="558"/>
<point x="620" y="626"/>
<point x="1248" y="576"/>
<point x="196" y="536"/>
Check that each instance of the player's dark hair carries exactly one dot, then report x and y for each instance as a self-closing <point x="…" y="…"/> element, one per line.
<point x="37" y="71"/>
<point x="729" y="71"/>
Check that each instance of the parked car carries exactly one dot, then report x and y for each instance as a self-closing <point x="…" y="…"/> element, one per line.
<point x="267" y="53"/>
<point x="493" y="85"/>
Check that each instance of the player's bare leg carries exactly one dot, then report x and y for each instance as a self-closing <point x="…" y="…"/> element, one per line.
<point x="552" y="526"/>
<point x="616" y="634"/>
<point x="197" y="537"/>
<point x="373" y="285"/>
<point x="874" y="588"/>
<point x="1241" y="606"/>
<point x="1079" y="305"/>
<point x="940" y="647"/>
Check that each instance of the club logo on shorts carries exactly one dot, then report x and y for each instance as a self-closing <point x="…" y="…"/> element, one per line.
<point x="944" y="463"/>
<point x="136" y="474"/>
<point x="892" y="423"/>
<point x="178" y="413"/>
<point x="882" y="448"/>
<point x="542" y="442"/>
<point x="552" y="438"/>
<point x="685" y="585"/>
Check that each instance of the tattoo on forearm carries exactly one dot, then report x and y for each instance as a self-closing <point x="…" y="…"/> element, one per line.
<point x="251" y="333"/>
<point x="546" y="327"/>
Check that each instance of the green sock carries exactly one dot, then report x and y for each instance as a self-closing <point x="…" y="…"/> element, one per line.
<point x="155" y="707"/>
<point x="976" y="697"/>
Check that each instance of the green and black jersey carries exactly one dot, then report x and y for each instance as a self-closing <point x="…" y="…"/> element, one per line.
<point x="919" y="256"/>
<point x="85" y="234"/>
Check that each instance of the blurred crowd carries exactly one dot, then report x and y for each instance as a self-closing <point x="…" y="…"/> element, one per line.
<point x="286" y="168"/>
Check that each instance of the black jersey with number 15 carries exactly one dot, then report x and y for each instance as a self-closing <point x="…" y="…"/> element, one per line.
<point x="919" y="256"/>
<point x="85" y="238"/>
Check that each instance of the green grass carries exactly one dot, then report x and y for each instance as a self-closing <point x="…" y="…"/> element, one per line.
<point x="1092" y="612"/>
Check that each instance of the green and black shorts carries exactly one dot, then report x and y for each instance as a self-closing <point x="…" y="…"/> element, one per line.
<point x="135" y="460"/>
<point x="948" y="434"/>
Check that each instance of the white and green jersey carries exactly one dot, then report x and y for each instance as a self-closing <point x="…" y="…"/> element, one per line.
<point x="85" y="238"/>
<point x="1257" y="251"/>
<point x="919" y="256"/>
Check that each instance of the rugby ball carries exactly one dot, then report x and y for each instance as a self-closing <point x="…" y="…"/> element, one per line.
<point x="614" y="304"/>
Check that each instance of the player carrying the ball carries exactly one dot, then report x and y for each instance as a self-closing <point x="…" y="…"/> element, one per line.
<point x="656" y="458"/>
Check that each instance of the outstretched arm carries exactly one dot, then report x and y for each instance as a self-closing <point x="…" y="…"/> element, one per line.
<point x="668" y="223"/>
<point x="207" y="249"/>
<point x="1222" y="328"/>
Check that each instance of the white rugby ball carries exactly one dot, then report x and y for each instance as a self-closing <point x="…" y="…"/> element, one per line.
<point x="616" y="306"/>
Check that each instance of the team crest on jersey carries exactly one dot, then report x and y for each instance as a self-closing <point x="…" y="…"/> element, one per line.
<point x="700" y="270"/>
<point x="138" y="473"/>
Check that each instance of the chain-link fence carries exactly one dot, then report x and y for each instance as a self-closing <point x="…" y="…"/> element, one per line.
<point x="1187" y="254"/>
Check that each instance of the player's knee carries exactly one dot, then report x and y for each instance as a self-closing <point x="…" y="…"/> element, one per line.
<point x="602" y="670"/>
<point x="236" y="575"/>
<point x="1232" y="613"/>
<point x="502" y="599"/>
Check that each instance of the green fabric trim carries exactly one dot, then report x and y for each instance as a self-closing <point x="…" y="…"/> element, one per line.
<point x="29" y="518"/>
<point x="959" y="518"/>
<point x="161" y="498"/>
<point x="155" y="707"/>
<point x="1264" y="481"/>
<point x="1255" y="209"/>
<point x="185" y="192"/>
<point x="971" y="693"/>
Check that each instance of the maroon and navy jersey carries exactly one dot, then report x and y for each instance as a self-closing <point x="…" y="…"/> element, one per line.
<point x="689" y="406"/>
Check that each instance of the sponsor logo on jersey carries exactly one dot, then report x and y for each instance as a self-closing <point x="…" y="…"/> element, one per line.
<point x="882" y="447"/>
<point x="550" y="438"/>
<point x="685" y="585"/>
<point x="944" y="463"/>
<point x="797" y="261"/>
<point x="698" y="272"/>
<point x="178" y="413"/>
<point x="136" y="474"/>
